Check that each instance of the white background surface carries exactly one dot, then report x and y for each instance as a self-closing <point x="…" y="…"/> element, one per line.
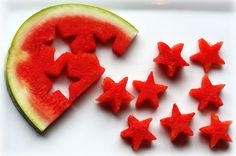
<point x="86" y="129"/>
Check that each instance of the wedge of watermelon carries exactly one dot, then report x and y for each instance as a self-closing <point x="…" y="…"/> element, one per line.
<point x="30" y="61"/>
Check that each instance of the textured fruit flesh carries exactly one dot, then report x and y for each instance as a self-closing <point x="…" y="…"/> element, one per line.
<point x="81" y="34"/>
<point x="84" y="68"/>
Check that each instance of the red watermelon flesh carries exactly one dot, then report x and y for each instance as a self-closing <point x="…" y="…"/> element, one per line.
<point x="83" y="67"/>
<point x="31" y="65"/>
<point x="79" y="65"/>
<point x="83" y="32"/>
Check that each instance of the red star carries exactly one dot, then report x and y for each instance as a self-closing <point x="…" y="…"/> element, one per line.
<point x="207" y="94"/>
<point x="138" y="132"/>
<point x="178" y="123"/>
<point x="115" y="94"/>
<point x="170" y="57"/>
<point x="208" y="55"/>
<point x="217" y="130"/>
<point x="149" y="91"/>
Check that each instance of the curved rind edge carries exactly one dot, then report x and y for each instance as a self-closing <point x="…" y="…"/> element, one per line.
<point x="18" y="107"/>
<point x="13" y="47"/>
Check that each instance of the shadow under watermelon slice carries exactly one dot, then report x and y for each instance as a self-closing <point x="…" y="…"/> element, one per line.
<point x="31" y="61"/>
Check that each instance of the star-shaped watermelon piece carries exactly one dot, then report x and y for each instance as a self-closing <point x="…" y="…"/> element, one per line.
<point x="170" y="58"/>
<point x="217" y="130"/>
<point x="115" y="95"/>
<point x="138" y="133"/>
<point x="207" y="94"/>
<point x="208" y="56"/>
<point x="148" y="91"/>
<point x="178" y="123"/>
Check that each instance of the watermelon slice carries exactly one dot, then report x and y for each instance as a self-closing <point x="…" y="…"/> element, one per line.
<point x="30" y="62"/>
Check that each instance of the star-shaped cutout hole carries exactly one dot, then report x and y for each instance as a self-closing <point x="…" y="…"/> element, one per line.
<point x="178" y="123"/>
<point x="82" y="69"/>
<point x="77" y="71"/>
<point x="208" y="56"/>
<point x="60" y="47"/>
<point x="138" y="133"/>
<point x="170" y="58"/>
<point x="148" y="92"/>
<point x="217" y="130"/>
<point x="115" y="95"/>
<point x="60" y="83"/>
<point x="207" y="94"/>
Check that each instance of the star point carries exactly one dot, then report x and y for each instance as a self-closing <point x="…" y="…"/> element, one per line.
<point x="207" y="94"/>
<point x="178" y="123"/>
<point x="148" y="91"/>
<point x="208" y="56"/>
<point x="115" y="94"/>
<point x="217" y="130"/>
<point x="170" y="58"/>
<point x="137" y="132"/>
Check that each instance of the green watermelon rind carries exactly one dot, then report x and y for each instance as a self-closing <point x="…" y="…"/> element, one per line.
<point x="19" y="108"/>
<point x="15" y="54"/>
<point x="43" y="13"/>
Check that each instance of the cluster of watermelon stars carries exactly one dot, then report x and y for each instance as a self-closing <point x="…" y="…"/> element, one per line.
<point x="116" y="97"/>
